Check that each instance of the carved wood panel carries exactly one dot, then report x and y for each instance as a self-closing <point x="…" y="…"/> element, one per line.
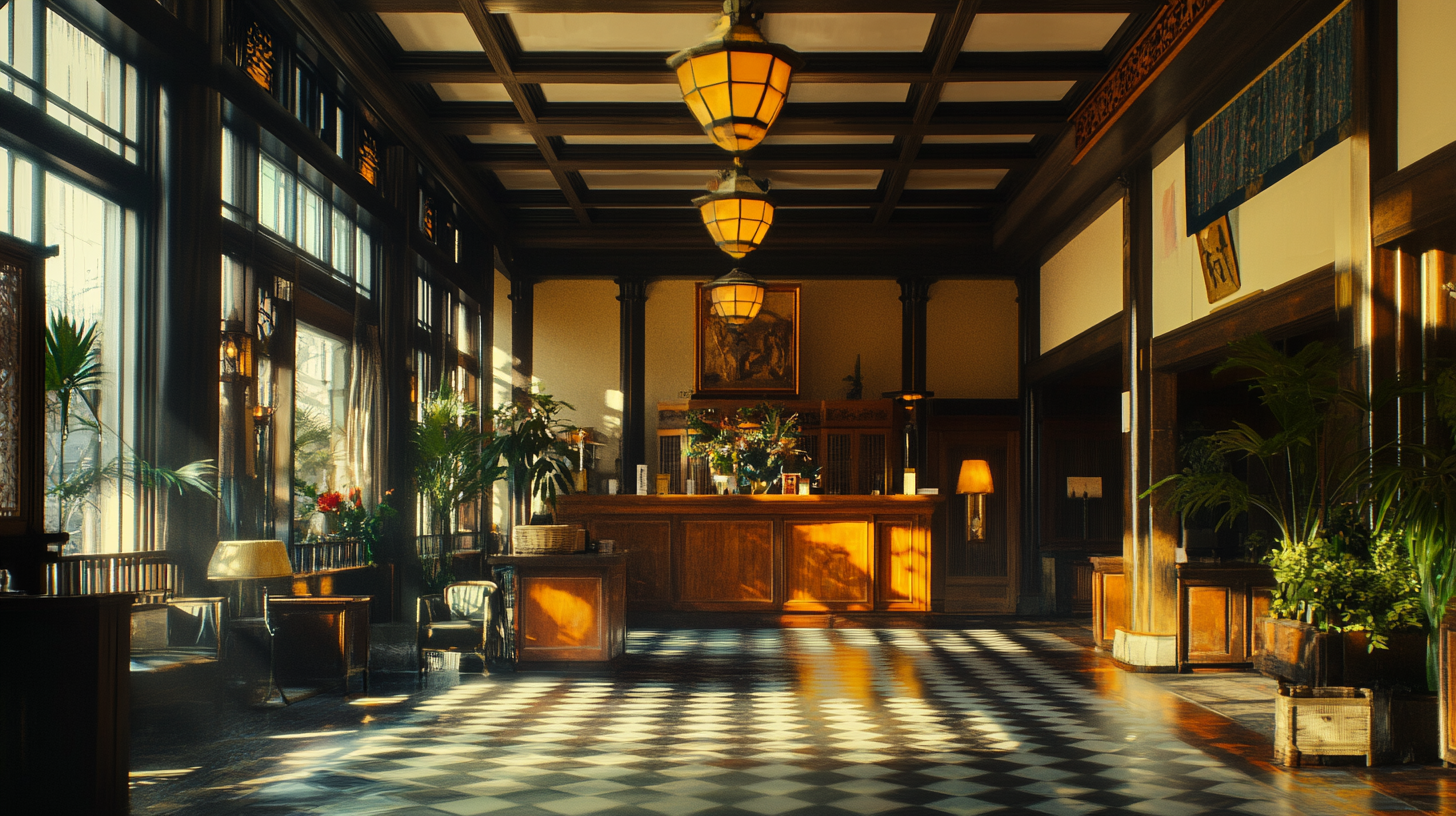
<point x="828" y="564"/>
<point x="727" y="562"/>
<point x="904" y="564"/>
<point x="1209" y="620"/>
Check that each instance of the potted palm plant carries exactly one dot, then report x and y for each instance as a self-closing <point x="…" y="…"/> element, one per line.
<point x="452" y="468"/>
<point x="530" y="444"/>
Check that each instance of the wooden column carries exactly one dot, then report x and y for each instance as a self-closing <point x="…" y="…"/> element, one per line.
<point x="914" y="293"/>
<point x="523" y="311"/>
<point x="632" y="295"/>
<point x="1028" y="302"/>
<point x="396" y="292"/>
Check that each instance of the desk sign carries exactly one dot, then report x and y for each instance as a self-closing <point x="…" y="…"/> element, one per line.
<point x="791" y="484"/>
<point x="642" y="480"/>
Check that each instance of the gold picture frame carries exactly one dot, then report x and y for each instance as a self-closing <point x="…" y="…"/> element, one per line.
<point x="1220" y="264"/>
<point x="759" y="358"/>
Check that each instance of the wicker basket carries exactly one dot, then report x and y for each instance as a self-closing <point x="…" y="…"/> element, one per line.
<point x="540" y="539"/>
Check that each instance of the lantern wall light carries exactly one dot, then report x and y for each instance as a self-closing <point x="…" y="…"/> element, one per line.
<point x="235" y="355"/>
<point x="735" y="82"/>
<point x="735" y="297"/>
<point x="737" y="210"/>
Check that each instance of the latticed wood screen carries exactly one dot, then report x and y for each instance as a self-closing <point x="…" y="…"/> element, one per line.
<point x="11" y="307"/>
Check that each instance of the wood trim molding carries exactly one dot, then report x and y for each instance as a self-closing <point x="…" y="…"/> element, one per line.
<point x="1303" y="303"/>
<point x="1102" y="340"/>
<point x="1411" y="206"/>
<point x="1170" y="31"/>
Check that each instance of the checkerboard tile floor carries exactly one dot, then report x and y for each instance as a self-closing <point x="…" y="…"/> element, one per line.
<point x="762" y="723"/>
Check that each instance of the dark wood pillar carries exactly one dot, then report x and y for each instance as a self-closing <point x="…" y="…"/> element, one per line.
<point x="914" y="294"/>
<point x="1028" y="303"/>
<point x="632" y="295"/>
<point x="396" y="347"/>
<point x="523" y="327"/>
<point x="188" y="260"/>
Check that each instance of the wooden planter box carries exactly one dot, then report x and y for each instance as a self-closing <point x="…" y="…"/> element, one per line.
<point x="1338" y="721"/>
<point x="1447" y="674"/>
<point x="1217" y="605"/>
<point x="1109" y="599"/>
<point x="1300" y="654"/>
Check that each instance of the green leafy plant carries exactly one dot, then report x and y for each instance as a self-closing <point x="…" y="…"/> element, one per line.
<point x="856" y="382"/>
<point x="752" y="443"/>
<point x="452" y="466"/>
<point x="72" y="369"/>
<point x="355" y="520"/>
<point x="1418" y="498"/>
<point x="530" y="442"/>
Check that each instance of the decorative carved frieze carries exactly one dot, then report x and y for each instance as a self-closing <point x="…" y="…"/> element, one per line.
<point x="1170" y="31"/>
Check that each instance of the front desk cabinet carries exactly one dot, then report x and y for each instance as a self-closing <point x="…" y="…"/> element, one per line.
<point x="569" y="608"/>
<point x="766" y="553"/>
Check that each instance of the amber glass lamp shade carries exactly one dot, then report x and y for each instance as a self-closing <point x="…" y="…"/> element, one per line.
<point x="736" y="211"/>
<point x="235" y="356"/>
<point x="735" y="82"/>
<point x="736" y="297"/>
<point x="975" y="477"/>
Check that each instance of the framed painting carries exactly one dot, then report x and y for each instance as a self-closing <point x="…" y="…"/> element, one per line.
<point x="759" y="358"/>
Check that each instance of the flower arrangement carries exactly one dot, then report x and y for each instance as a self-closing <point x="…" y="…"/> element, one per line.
<point x="753" y="443"/>
<point x="353" y="519"/>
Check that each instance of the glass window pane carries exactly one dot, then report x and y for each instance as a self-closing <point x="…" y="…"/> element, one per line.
<point x="85" y="84"/>
<point x="275" y="198"/>
<point x="342" y="257"/>
<point x="320" y="400"/>
<point x="311" y="213"/>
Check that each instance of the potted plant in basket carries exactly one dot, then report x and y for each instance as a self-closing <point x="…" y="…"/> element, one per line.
<point x="530" y="443"/>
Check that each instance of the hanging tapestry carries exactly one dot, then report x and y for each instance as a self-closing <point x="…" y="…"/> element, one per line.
<point x="1300" y="107"/>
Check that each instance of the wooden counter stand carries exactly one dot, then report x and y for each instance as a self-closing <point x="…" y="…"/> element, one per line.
<point x="766" y="553"/>
<point x="568" y="607"/>
<point x="1109" y="599"/>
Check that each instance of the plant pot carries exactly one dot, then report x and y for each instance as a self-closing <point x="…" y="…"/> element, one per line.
<point x="1300" y="654"/>
<point x="1291" y="652"/>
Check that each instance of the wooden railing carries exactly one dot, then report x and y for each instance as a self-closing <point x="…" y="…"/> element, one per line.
<point x="151" y="575"/>
<point x="327" y="554"/>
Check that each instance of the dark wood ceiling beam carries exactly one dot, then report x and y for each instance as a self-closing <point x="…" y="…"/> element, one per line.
<point x="947" y="52"/>
<point x="462" y="121"/>
<point x="492" y="41"/>
<point x="785" y="199"/>
<point x="780" y="6"/>
<point x="843" y="237"/>
<point x="775" y="264"/>
<point x="709" y="166"/>
<point x="833" y="68"/>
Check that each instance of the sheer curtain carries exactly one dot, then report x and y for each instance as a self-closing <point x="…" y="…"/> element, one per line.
<point x="364" y="438"/>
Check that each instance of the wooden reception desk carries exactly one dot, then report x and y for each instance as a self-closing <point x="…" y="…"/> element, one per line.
<point x="766" y="553"/>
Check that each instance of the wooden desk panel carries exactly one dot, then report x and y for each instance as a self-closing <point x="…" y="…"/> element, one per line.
<point x="568" y="607"/>
<point x="727" y="562"/>
<point x="828" y="565"/>
<point x="321" y="637"/>
<point x="769" y="552"/>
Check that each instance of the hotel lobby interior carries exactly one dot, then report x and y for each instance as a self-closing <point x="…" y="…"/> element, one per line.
<point x="679" y="407"/>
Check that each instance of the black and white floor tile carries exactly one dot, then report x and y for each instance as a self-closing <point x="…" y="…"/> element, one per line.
<point x="757" y="723"/>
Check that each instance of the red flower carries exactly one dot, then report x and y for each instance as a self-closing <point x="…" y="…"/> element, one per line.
<point x="328" y="502"/>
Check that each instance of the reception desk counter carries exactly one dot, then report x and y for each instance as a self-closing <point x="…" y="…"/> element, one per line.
<point x="766" y="553"/>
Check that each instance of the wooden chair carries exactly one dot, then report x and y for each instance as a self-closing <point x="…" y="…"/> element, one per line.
<point x="466" y="617"/>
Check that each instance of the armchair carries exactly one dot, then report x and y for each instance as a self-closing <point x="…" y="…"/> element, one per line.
<point x="466" y="617"/>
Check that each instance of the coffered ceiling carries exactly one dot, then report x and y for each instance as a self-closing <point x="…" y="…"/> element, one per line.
<point x="911" y="126"/>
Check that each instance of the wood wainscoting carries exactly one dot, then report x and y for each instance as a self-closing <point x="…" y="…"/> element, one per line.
<point x="766" y="553"/>
<point x="1109" y="599"/>
<point x="1217" y="605"/>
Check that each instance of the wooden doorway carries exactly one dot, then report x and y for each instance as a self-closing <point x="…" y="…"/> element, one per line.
<point x="980" y="576"/>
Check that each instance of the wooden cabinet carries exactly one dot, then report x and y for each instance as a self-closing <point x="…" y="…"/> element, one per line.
<point x="320" y="638"/>
<point x="766" y="553"/>
<point x="569" y="608"/>
<point x="1109" y="599"/>
<point x="1447" y="677"/>
<point x="1217" y="605"/>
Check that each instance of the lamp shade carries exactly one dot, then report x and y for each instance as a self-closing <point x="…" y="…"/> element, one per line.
<point x="736" y="297"/>
<point x="735" y="81"/>
<point x="736" y="211"/>
<point x="975" y="477"/>
<point x="238" y="560"/>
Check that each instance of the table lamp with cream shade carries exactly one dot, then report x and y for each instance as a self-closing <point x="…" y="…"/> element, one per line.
<point x="246" y="563"/>
<point x="975" y="482"/>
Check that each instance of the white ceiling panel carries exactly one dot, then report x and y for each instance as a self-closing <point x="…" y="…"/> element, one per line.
<point x="501" y="138"/>
<point x="829" y="139"/>
<point x="1042" y="32"/>
<point x="849" y="32"/>
<point x="610" y="32"/>
<point x="954" y="179"/>
<point x="698" y="139"/>
<point x="471" y="92"/>
<point x="647" y="179"/>
<point x="527" y="179"/>
<point x="432" y="32"/>
<point x="1047" y="90"/>
<point x="996" y="138"/>
<point x="824" y="179"/>
<point x="659" y="92"/>
<point x="848" y="92"/>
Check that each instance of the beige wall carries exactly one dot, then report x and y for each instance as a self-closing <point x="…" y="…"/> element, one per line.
<point x="576" y="337"/>
<point x="971" y="331"/>
<point x="840" y="319"/>
<point x="1293" y="227"/>
<point x="1082" y="284"/>
<point x="669" y="375"/>
<point x="1427" y="95"/>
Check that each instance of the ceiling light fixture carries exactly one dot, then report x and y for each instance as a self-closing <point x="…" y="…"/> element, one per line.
<point x="737" y="210"/>
<point x="736" y="297"/>
<point x="735" y="82"/>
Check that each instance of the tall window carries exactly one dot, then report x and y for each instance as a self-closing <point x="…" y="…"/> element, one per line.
<point x="320" y="418"/>
<point x="319" y="221"/>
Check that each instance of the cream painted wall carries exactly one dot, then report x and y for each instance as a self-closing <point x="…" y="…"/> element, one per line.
<point x="1082" y="284"/>
<point x="1291" y="228"/>
<point x="1427" y="96"/>
<point x="669" y="375"/>
<point x="576" y="338"/>
<point x="971" y="331"/>
<point x="840" y="319"/>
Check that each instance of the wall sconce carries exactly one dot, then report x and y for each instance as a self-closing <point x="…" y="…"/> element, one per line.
<point x="262" y="416"/>
<point x="975" y="482"/>
<point x="235" y="356"/>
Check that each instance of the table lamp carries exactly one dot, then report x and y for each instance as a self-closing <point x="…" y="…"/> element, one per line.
<point x="246" y="563"/>
<point x="975" y="482"/>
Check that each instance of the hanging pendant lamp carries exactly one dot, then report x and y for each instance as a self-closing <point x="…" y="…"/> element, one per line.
<point x="735" y="81"/>
<point x="736" y="297"/>
<point x="737" y="210"/>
